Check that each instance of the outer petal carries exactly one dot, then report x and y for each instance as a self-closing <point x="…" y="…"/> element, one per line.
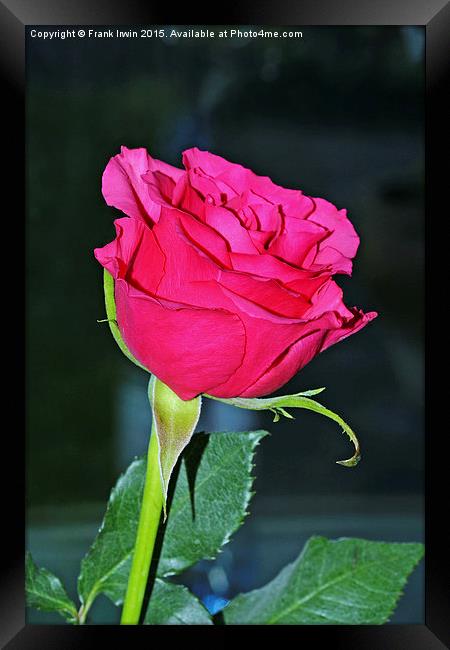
<point x="116" y="255"/>
<point x="191" y="350"/>
<point x="350" y="326"/>
<point x="160" y="187"/>
<point x="328" y="297"/>
<point x="134" y="255"/>
<point x="335" y="251"/>
<point x="124" y="188"/>
<point x="287" y="364"/>
<point x="233" y="179"/>
<point x="209" y="163"/>
<point x="318" y="336"/>
<point x="267" y="343"/>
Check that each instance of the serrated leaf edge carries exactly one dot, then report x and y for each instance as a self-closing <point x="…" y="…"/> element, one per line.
<point x="94" y="592"/>
<point x="319" y="538"/>
<point x="64" y="610"/>
<point x="186" y="589"/>
<point x="249" y="494"/>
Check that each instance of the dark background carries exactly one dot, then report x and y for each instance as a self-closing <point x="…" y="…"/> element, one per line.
<point x="338" y="114"/>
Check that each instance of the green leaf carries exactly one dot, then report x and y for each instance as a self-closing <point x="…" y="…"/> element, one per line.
<point x="299" y="400"/>
<point x="106" y="566"/>
<point x="110" y="304"/>
<point x="175" y="421"/>
<point x="44" y="591"/>
<point x="212" y="494"/>
<point x="344" y="581"/>
<point x="210" y="500"/>
<point x="172" y="604"/>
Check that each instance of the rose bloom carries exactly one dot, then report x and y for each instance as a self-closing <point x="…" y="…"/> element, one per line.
<point x="223" y="279"/>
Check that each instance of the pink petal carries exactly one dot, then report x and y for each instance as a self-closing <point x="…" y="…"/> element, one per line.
<point x="328" y="259"/>
<point x="268" y="216"/>
<point x="266" y="266"/>
<point x="178" y="345"/>
<point x="260" y="356"/>
<point x="287" y="364"/>
<point x="134" y="255"/>
<point x="234" y="178"/>
<point x="351" y="326"/>
<point x="337" y="249"/>
<point x="185" y="261"/>
<point x="207" y="241"/>
<point x="124" y="188"/>
<point x="187" y="198"/>
<point x="210" y="163"/>
<point x="209" y="189"/>
<point x="328" y="297"/>
<point x="317" y="336"/>
<point x="294" y="245"/>
<point x="160" y="187"/>
<point x="269" y="295"/>
<point x="229" y="226"/>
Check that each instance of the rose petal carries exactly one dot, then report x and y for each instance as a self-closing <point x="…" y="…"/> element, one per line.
<point x="328" y="259"/>
<point x="328" y="297"/>
<point x="160" y="187"/>
<point x="267" y="294"/>
<point x="268" y="216"/>
<point x="238" y="179"/>
<point x="187" y="198"/>
<point x="207" y="241"/>
<point x="223" y="278"/>
<point x="186" y="262"/>
<point x="351" y="326"/>
<point x="287" y="364"/>
<point x="260" y="357"/>
<point x="229" y="226"/>
<point x="294" y="245"/>
<point x="134" y="255"/>
<point x="339" y="247"/>
<point x="260" y="239"/>
<point x="210" y="163"/>
<point x="180" y="345"/>
<point x="124" y="188"/>
<point x="266" y="266"/>
<point x="321" y="335"/>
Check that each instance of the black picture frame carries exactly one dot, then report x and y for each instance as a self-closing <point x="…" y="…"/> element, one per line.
<point x="15" y="16"/>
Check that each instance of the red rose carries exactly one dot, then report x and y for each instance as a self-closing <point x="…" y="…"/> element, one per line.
<point x="223" y="280"/>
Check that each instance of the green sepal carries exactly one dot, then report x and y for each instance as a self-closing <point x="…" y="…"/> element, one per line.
<point x="298" y="400"/>
<point x="110" y="304"/>
<point x="175" y="421"/>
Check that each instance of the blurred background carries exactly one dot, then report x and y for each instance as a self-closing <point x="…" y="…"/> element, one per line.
<point x="338" y="114"/>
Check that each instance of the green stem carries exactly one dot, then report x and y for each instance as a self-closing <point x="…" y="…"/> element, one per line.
<point x="149" y="518"/>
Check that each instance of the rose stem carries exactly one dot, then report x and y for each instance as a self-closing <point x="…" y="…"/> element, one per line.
<point x="152" y="501"/>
